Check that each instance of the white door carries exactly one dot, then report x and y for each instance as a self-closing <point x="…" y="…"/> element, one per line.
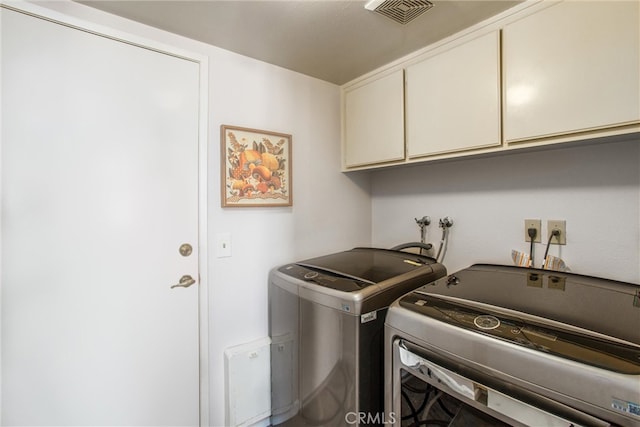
<point x="99" y="191"/>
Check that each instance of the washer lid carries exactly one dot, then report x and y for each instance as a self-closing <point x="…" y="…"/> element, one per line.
<point x="368" y="265"/>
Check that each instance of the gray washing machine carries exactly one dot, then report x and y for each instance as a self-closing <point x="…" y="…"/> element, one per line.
<point x="326" y="322"/>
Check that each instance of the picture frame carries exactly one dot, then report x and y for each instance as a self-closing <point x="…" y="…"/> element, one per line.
<point x="255" y="167"/>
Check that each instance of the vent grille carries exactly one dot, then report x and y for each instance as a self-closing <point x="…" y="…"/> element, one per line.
<point x="403" y="11"/>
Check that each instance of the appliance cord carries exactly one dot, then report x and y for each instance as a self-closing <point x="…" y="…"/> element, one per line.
<point x="546" y="251"/>
<point x="532" y="236"/>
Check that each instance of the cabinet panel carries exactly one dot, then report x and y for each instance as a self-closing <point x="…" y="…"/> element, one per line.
<point x="453" y="99"/>
<point x="374" y="121"/>
<point x="572" y="67"/>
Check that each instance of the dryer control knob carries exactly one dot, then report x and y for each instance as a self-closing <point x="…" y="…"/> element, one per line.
<point x="486" y="322"/>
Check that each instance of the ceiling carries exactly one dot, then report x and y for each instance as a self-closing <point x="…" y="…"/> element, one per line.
<point x="331" y="40"/>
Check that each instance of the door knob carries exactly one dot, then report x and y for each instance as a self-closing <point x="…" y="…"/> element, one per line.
<point x="185" y="282"/>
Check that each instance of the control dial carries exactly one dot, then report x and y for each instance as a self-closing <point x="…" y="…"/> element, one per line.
<point x="311" y="275"/>
<point x="486" y="322"/>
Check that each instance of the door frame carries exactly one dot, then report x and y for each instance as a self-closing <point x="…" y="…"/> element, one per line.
<point x="203" y="66"/>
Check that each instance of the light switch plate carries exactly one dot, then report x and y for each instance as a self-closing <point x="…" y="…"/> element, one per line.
<point x="223" y="245"/>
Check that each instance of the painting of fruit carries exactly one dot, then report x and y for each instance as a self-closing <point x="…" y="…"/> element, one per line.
<point x="256" y="167"/>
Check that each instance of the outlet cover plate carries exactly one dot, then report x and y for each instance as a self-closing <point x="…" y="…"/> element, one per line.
<point x="533" y="223"/>
<point x="560" y="225"/>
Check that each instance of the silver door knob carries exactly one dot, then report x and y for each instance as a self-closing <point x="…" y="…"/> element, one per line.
<point x="185" y="282"/>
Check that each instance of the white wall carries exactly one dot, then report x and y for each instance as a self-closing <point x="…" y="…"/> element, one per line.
<point x="331" y="211"/>
<point x="595" y="188"/>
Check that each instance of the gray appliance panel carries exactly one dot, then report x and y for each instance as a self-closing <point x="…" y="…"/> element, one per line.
<point x="368" y="265"/>
<point x="607" y="307"/>
<point x="358" y="296"/>
<point x="494" y="393"/>
<point x="327" y="354"/>
<point x="553" y="339"/>
<point x="540" y="304"/>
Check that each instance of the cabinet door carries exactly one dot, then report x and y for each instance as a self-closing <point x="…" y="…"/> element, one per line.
<point x="453" y="99"/>
<point x="572" y="67"/>
<point x="374" y="121"/>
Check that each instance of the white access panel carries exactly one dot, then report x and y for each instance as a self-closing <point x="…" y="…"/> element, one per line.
<point x="248" y="382"/>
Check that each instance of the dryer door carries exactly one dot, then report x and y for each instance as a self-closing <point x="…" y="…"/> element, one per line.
<point x="469" y="397"/>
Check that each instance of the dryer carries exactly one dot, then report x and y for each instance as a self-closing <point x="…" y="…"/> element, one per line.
<point x="515" y="346"/>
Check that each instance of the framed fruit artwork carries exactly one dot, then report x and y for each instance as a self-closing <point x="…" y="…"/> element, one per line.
<point x="256" y="167"/>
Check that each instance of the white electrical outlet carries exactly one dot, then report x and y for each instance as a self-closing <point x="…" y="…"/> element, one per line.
<point x="532" y="223"/>
<point x="561" y="226"/>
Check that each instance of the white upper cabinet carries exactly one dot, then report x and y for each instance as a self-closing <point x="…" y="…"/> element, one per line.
<point x="572" y="67"/>
<point x="541" y="73"/>
<point x="453" y="99"/>
<point x="373" y="121"/>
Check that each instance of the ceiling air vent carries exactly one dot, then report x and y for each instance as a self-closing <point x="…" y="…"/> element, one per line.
<point x="401" y="11"/>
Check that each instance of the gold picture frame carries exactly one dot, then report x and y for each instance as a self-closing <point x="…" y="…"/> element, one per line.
<point x="256" y="167"/>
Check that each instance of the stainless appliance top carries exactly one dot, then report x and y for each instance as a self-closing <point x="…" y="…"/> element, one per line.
<point x="604" y="307"/>
<point x="368" y="265"/>
<point x="358" y="280"/>
<point x="358" y="268"/>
